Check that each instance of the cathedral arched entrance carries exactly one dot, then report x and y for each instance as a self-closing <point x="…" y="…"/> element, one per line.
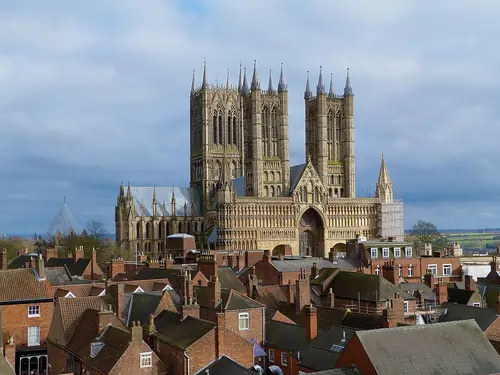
<point x="312" y="234"/>
<point x="279" y="250"/>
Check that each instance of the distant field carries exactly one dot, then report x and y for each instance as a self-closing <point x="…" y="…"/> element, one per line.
<point x="475" y="240"/>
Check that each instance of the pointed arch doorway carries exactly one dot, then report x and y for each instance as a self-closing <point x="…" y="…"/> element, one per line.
<point x="311" y="234"/>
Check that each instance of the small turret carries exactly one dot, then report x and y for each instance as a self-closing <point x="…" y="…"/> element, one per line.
<point x="348" y="88"/>
<point x="204" y="84"/>
<point x="307" y="92"/>
<point x="173" y="203"/>
<point x="193" y="84"/>
<point x="320" y="89"/>
<point x="255" y="77"/>
<point x="244" y="89"/>
<point x="240" y="80"/>
<point x="270" y="88"/>
<point x="331" y="92"/>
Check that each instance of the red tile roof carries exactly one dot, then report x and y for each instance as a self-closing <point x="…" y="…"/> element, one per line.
<point x="23" y="284"/>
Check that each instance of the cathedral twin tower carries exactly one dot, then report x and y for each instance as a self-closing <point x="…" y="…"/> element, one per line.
<point x="242" y="131"/>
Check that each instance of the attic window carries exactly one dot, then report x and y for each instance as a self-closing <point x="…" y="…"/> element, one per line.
<point x="95" y="348"/>
<point x="337" y="348"/>
<point x="146" y="359"/>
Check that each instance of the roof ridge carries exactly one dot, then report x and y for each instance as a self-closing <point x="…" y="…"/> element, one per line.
<point x="418" y="326"/>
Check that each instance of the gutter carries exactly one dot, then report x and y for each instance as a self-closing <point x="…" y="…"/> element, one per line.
<point x="187" y="361"/>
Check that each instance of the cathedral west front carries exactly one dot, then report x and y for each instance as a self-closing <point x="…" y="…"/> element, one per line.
<point x="245" y="195"/>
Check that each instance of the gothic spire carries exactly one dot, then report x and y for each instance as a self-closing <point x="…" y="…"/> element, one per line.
<point x="307" y="93"/>
<point x="240" y="83"/>
<point x="122" y="191"/>
<point x="204" y="84"/>
<point x="154" y="193"/>
<point x="331" y="93"/>
<point x="270" y="88"/>
<point x="244" y="89"/>
<point x="129" y="193"/>
<point x="255" y="78"/>
<point x="155" y="203"/>
<point x="383" y="190"/>
<point x="383" y="177"/>
<point x="347" y="88"/>
<point x="282" y="87"/>
<point x="192" y="84"/>
<point x="227" y="80"/>
<point x="320" y="89"/>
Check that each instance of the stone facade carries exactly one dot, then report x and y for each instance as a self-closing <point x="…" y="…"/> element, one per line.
<point x="244" y="195"/>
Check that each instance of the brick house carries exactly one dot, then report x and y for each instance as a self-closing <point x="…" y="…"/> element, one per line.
<point x="375" y="254"/>
<point x="187" y="344"/>
<point x="26" y="306"/>
<point x="96" y="342"/>
<point x="430" y="345"/>
<point x="77" y="264"/>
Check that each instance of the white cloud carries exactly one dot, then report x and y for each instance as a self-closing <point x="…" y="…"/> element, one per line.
<point x="103" y="89"/>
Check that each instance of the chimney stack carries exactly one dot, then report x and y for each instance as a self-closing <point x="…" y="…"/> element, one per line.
<point x="105" y="318"/>
<point x="40" y="267"/>
<point x="3" y="259"/>
<point x="470" y="283"/>
<point x="311" y="322"/>
<point x="430" y="279"/>
<point x="442" y="292"/>
<point x="214" y="291"/>
<point x="136" y="332"/>
<point x="330" y="299"/>
<point x="302" y="292"/>
<point x="207" y="264"/>
<point x="221" y="327"/>
<point x="78" y="253"/>
<point x="314" y="270"/>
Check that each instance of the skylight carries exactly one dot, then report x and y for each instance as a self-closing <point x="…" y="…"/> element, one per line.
<point x="95" y="348"/>
<point x="336" y="348"/>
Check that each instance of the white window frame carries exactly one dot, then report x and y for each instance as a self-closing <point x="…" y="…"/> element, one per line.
<point x="374" y="253"/>
<point x="476" y="304"/>
<point x="271" y="355"/>
<point x="385" y="252"/>
<point x="447" y="266"/>
<point x="34" y="336"/>
<point x="284" y="359"/>
<point x="433" y="267"/>
<point x="34" y="311"/>
<point x="410" y="271"/>
<point x="397" y="252"/>
<point x="146" y="359"/>
<point x="408" y="252"/>
<point x="243" y="317"/>
<point x="406" y="307"/>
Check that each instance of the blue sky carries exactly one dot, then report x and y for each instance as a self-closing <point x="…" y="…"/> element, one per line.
<point x="96" y="92"/>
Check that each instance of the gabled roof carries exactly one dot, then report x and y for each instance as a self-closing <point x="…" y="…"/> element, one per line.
<point x="229" y="280"/>
<point x="353" y="285"/>
<point x="461" y="296"/>
<point x="308" y="172"/>
<point x="415" y="288"/>
<point x="179" y="333"/>
<point x="142" y="305"/>
<point x="225" y="365"/>
<point x="352" y="370"/>
<point x="230" y="299"/>
<point x="57" y="275"/>
<point x="23" y="284"/>
<point x="440" y="348"/>
<point x="455" y="312"/>
<point x="285" y="336"/>
<point x="21" y="260"/>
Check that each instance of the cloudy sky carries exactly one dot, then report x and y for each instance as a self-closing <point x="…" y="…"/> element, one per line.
<point x="96" y="92"/>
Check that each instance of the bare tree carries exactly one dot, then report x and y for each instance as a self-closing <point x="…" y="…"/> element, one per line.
<point x="424" y="232"/>
<point x="96" y="230"/>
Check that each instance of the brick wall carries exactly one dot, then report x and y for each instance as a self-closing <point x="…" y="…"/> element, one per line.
<point x="201" y="353"/>
<point x="256" y="321"/>
<point x="493" y="334"/>
<point x="57" y="359"/>
<point x="130" y="362"/>
<point x="291" y="368"/>
<point x="354" y="354"/>
<point x="15" y="321"/>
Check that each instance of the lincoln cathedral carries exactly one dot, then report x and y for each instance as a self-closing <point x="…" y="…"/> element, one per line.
<point x="245" y="195"/>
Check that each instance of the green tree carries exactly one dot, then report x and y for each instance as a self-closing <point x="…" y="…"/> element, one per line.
<point x="15" y="244"/>
<point x="424" y="232"/>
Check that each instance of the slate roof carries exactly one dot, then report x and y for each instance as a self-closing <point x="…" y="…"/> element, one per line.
<point x="455" y="312"/>
<point x="225" y="366"/>
<point x="440" y="348"/>
<point x="285" y="336"/>
<point x="229" y="280"/>
<point x="142" y="305"/>
<point x="353" y="285"/>
<point x="414" y="288"/>
<point x="230" y="299"/>
<point x="75" y="268"/>
<point x="461" y="296"/>
<point x="353" y="370"/>
<point x="180" y="333"/>
<point x="22" y="284"/>
<point x="21" y="260"/>
<point x="57" y="276"/>
<point x="143" y="196"/>
<point x="294" y="264"/>
<point x="363" y="321"/>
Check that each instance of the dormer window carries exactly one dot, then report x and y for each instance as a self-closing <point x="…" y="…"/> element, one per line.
<point x="95" y="348"/>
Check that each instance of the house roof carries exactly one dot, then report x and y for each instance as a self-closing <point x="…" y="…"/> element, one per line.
<point x="455" y="312"/>
<point x="181" y="333"/>
<point x="22" y="284"/>
<point x="363" y="321"/>
<point x="57" y="275"/>
<point x="294" y="264"/>
<point x="440" y="348"/>
<point x="229" y="280"/>
<point x="21" y="260"/>
<point x="225" y="365"/>
<point x="352" y="370"/>
<point x="354" y="286"/>
<point x="142" y="305"/>
<point x="6" y="368"/>
<point x="230" y="299"/>
<point x="415" y="288"/>
<point x="75" y="268"/>
<point x="285" y="336"/>
<point x="72" y="309"/>
<point x="461" y="296"/>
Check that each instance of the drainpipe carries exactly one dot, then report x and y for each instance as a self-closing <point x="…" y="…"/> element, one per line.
<point x="187" y="361"/>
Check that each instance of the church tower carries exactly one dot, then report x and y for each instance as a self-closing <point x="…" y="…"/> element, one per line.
<point x="265" y="119"/>
<point x="216" y="130"/>
<point x="330" y="136"/>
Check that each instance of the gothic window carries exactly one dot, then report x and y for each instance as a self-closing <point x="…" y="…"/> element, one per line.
<point x="338" y="138"/>
<point x="339" y="180"/>
<point x="229" y="131"/>
<point x="235" y="131"/>
<point x="188" y="227"/>
<point x="160" y="230"/>
<point x="234" y="169"/>
<point x="202" y="226"/>
<point x="196" y="227"/>
<point x="272" y="191"/>
<point x="220" y="129"/>
<point x="271" y="175"/>
<point x="278" y="177"/>
<point x="278" y="191"/>
<point x="265" y="177"/>
<point x="216" y="137"/>
<point x="265" y="132"/>
<point x="167" y="229"/>
<point x="336" y="193"/>
<point x="341" y="193"/>
<point x="304" y="194"/>
<point x="274" y="132"/>
<point x="180" y="228"/>
<point x="266" y="191"/>
<point x="217" y="171"/>
<point x="138" y="230"/>
<point x="330" y="135"/>
<point x="148" y="230"/>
